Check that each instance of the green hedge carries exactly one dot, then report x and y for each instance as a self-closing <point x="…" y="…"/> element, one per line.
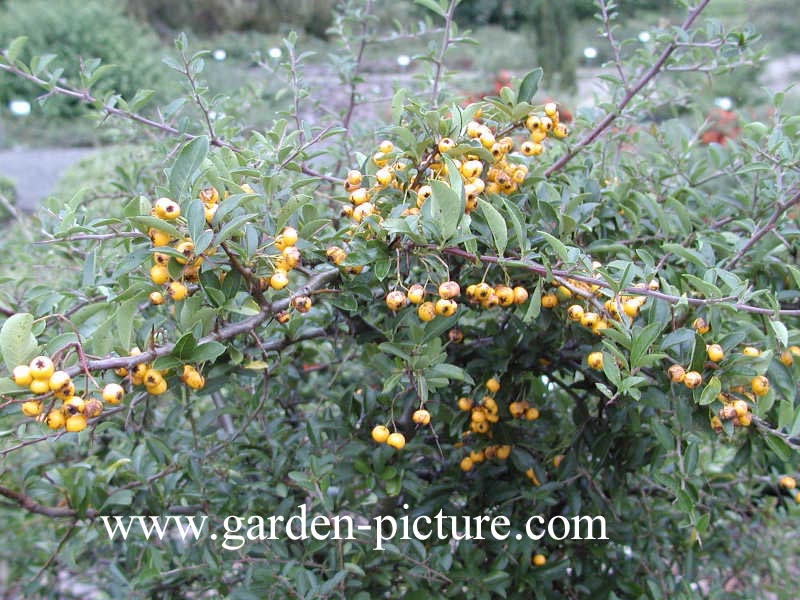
<point x="77" y="30"/>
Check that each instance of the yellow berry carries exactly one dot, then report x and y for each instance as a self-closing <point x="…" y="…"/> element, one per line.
<point x="113" y="393"/>
<point x="416" y="293"/>
<point x="760" y="385"/>
<point x="788" y="483"/>
<point x="445" y="308"/>
<point x="676" y="373"/>
<point x="549" y="301"/>
<point x="55" y="419"/>
<point x="493" y="385"/>
<point x="426" y="311"/>
<point x="692" y="379"/>
<point x="279" y="280"/>
<point x="538" y="560"/>
<point x="700" y="326"/>
<point x="421" y="417"/>
<point x="39" y="386"/>
<point x="466" y="464"/>
<point x="449" y="290"/>
<point x="41" y="367"/>
<point x="396" y="440"/>
<point x="301" y="304"/>
<point x="385" y="147"/>
<point x="166" y="209"/>
<point x="751" y="351"/>
<point x="575" y="313"/>
<point x="715" y="352"/>
<point x="177" y="291"/>
<point x="595" y="360"/>
<point x="76" y="423"/>
<point x="159" y="274"/>
<point x="59" y="380"/>
<point x="380" y="433"/>
<point x="22" y="375"/>
<point x="32" y="408"/>
<point x="464" y="404"/>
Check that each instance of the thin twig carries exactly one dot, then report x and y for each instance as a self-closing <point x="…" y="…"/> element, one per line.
<point x="630" y="94"/>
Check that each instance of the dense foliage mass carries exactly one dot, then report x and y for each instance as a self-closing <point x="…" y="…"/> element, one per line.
<point x="476" y="309"/>
<point x="90" y="38"/>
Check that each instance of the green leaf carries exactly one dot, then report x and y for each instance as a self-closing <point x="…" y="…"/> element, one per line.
<point x="17" y="344"/>
<point x="119" y="498"/>
<point x="557" y="245"/>
<point x="195" y="218"/>
<point x="15" y="47"/>
<point x="529" y="85"/>
<point x="146" y="222"/>
<point x="611" y="369"/>
<point x="698" y="354"/>
<point x="432" y="6"/>
<point x="207" y="352"/>
<point x="189" y="160"/>
<point x="710" y="392"/>
<point x="497" y="225"/>
<point x="781" y="333"/>
<point x="185" y="346"/>
<point x="642" y="340"/>
<point x="447" y="208"/>
<point x="292" y="205"/>
<point x="779" y="446"/>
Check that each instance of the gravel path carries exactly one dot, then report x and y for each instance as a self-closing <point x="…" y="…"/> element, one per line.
<point x="36" y="171"/>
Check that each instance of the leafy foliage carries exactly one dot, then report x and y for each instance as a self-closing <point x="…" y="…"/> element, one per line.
<point x="66" y="35"/>
<point x="639" y="224"/>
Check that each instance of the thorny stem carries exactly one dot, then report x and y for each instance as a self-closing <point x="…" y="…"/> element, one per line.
<point x="543" y="270"/>
<point x="629" y="95"/>
<point x="86" y="98"/>
<point x="439" y="60"/>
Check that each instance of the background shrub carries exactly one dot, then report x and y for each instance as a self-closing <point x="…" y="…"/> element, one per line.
<point x="76" y="31"/>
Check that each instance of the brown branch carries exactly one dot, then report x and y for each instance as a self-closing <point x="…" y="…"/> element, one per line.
<point x="225" y="333"/>
<point x="781" y="208"/>
<point x="439" y="61"/>
<point x="544" y="271"/>
<point x="629" y="95"/>
<point x="85" y="97"/>
<point x="29" y="504"/>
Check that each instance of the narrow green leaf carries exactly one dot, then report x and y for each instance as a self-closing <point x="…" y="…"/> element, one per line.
<point x="447" y="208"/>
<point x="195" y="218"/>
<point x="710" y="392"/>
<point x="207" y="352"/>
<point x="497" y="225"/>
<point x="184" y="169"/>
<point x="432" y="6"/>
<point x="529" y="85"/>
<point x="557" y="245"/>
<point x="292" y="205"/>
<point x="15" y="47"/>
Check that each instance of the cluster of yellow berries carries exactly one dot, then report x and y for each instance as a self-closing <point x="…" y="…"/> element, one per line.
<point x="488" y="296"/>
<point x="153" y="379"/>
<point x="495" y="451"/>
<point x="790" y="484"/>
<point x="382" y="435"/>
<point x="485" y="169"/>
<point x="168" y="210"/>
<point x="288" y="259"/>
<point x="691" y="379"/>
<point x="338" y="255"/>
<point x="427" y="310"/>
<point x="41" y="377"/>
<point x="542" y="126"/>
<point x="734" y="409"/>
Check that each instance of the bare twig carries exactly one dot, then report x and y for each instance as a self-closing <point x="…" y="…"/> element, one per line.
<point x="439" y="60"/>
<point x="781" y="208"/>
<point x="630" y="94"/>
